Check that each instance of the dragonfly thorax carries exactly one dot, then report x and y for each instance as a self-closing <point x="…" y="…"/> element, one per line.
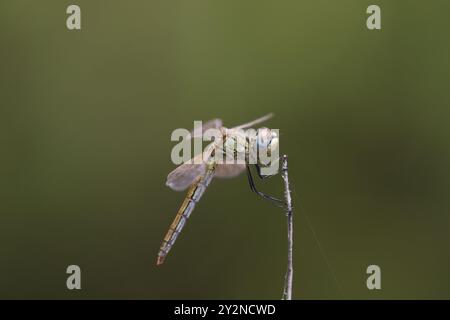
<point x="250" y="146"/>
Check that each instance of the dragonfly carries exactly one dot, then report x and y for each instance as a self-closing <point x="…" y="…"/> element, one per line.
<point x="196" y="174"/>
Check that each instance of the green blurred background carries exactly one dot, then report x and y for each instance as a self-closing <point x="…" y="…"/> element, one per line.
<point x="85" y="124"/>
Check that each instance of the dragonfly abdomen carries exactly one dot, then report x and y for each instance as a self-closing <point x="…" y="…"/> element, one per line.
<point x="194" y="194"/>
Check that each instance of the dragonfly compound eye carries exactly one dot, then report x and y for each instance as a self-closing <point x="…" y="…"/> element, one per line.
<point x="263" y="138"/>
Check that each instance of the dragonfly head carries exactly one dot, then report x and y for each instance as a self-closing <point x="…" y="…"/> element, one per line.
<point x="267" y="140"/>
<point x="268" y="144"/>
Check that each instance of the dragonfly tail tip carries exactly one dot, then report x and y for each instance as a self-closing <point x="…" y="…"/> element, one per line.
<point x="159" y="261"/>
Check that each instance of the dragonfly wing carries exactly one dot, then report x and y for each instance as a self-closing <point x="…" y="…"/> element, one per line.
<point x="229" y="170"/>
<point x="257" y="121"/>
<point x="184" y="175"/>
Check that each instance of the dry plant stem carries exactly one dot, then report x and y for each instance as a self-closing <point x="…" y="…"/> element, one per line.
<point x="287" y="293"/>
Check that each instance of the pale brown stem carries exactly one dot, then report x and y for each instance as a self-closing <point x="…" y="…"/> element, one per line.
<point x="287" y="293"/>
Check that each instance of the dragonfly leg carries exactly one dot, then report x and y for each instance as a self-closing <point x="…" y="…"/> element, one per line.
<point x="260" y="175"/>
<point x="278" y="202"/>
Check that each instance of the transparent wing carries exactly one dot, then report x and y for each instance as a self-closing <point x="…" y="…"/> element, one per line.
<point x="185" y="174"/>
<point x="257" y="121"/>
<point x="229" y="170"/>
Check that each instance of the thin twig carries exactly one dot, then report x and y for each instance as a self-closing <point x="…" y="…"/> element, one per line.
<point x="287" y="293"/>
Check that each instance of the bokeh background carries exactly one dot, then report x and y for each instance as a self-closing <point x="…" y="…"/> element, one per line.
<point x="85" y="124"/>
